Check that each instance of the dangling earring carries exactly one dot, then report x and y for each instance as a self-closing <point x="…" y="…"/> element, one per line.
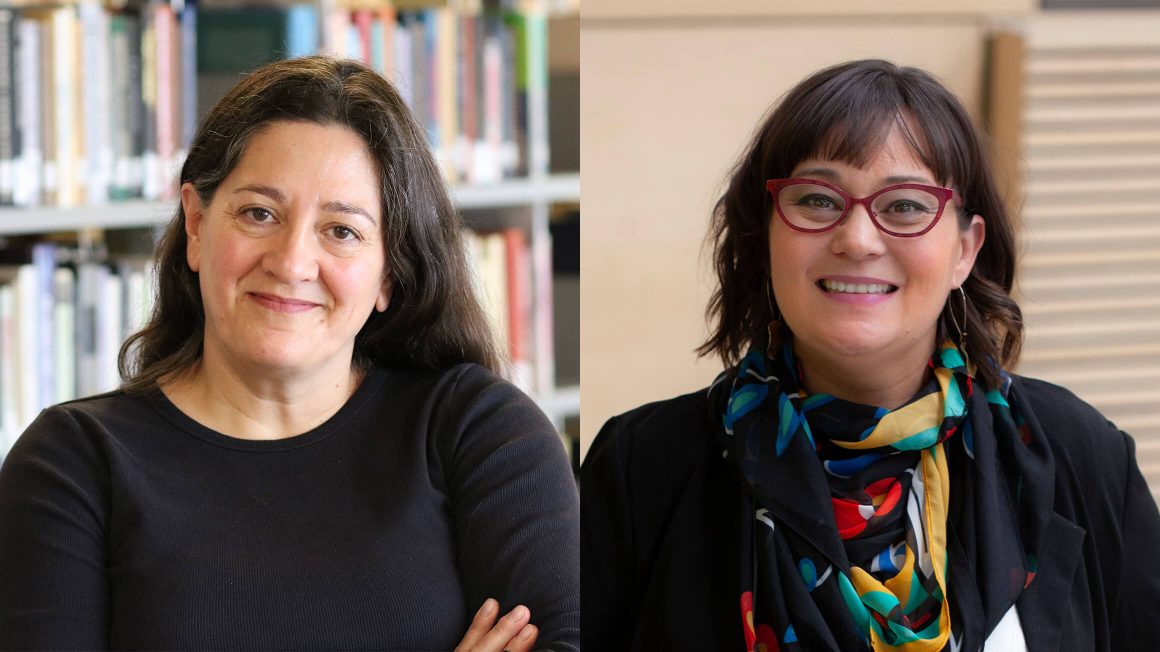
<point x="962" y="332"/>
<point x="774" y="318"/>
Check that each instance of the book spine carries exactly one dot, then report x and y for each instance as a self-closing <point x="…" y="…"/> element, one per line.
<point x="109" y="331"/>
<point x="362" y="19"/>
<point x="468" y="95"/>
<point x="150" y="177"/>
<point x="488" y="166"/>
<point x="44" y="261"/>
<point x="90" y="280"/>
<point x="301" y="31"/>
<point x="64" y="326"/>
<point x="47" y="122"/>
<point x="27" y="318"/>
<point x="65" y="101"/>
<point x="535" y="64"/>
<point x="95" y="119"/>
<point x="164" y="26"/>
<point x="403" y="74"/>
<point x="31" y="168"/>
<point x="9" y="394"/>
<point x="7" y="107"/>
<point x="445" y="66"/>
<point x="519" y="304"/>
<point x="135" y="118"/>
<point x="421" y="75"/>
<point x="119" y="106"/>
<point x="387" y="25"/>
<point x="543" y="331"/>
<point x="188" y="77"/>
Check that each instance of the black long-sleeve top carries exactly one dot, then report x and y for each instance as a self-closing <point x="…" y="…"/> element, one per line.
<point x="126" y="524"/>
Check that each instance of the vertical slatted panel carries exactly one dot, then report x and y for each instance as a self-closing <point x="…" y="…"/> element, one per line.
<point x="1090" y="141"/>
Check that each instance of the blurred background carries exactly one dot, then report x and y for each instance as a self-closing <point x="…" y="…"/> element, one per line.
<point x="1069" y="90"/>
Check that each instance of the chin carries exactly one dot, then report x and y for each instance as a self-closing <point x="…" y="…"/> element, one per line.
<point x="855" y="344"/>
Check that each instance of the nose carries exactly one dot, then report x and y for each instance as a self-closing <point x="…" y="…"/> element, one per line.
<point x="293" y="254"/>
<point x="857" y="236"/>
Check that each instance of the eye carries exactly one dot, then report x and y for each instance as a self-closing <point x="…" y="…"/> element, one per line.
<point x="344" y="233"/>
<point x="816" y="201"/>
<point x="258" y="215"/>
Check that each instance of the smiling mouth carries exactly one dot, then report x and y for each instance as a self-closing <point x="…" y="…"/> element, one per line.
<point x="838" y="287"/>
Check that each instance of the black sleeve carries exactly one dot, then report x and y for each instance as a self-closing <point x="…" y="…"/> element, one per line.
<point x="54" y="584"/>
<point x="516" y="507"/>
<point x="1134" y="622"/>
<point x="606" y="546"/>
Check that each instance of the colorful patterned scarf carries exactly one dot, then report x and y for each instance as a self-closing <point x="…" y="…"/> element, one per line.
<point x="863" y="527"/>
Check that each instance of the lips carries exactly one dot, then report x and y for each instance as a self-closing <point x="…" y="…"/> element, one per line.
<point x="282" y="304"/>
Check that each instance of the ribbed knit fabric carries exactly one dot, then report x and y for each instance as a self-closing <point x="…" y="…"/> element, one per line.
<point x="126" y="524"/>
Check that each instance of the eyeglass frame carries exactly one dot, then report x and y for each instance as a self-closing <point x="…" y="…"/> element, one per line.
<point x="775" y="186"/>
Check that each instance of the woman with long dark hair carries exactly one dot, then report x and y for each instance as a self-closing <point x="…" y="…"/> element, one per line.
<point x="311" y="448"/>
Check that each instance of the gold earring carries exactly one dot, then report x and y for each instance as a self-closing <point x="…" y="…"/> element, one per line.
<point x="960" y="329"/>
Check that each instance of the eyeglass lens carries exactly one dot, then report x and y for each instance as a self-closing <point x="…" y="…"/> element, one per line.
<point x="898" y="210"/>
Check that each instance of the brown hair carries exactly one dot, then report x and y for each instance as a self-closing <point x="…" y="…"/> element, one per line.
<point x="433" y="321"/>
<point x="845" y="113"/>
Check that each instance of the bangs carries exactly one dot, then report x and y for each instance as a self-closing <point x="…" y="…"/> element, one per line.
<point x="849" y="120"/>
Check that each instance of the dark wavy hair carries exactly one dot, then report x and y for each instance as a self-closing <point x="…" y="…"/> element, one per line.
<point x="434" y="319"/>
<point x="845" y="113"/>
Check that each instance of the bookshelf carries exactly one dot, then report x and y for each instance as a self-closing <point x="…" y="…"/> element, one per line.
<point x="518" y="192"/>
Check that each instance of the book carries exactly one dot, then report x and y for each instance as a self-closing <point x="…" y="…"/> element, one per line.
<point x="67" y="135"/>
<point x="90" y="290"/>
<point x="64" y="330"/>
<point x="7" y="106"/>
<point x="518" y="273"/>
<point x="30" y="164"/>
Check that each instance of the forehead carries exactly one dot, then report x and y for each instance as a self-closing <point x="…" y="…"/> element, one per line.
<point x="894" y="156"/>
<point x="307" y="148"/>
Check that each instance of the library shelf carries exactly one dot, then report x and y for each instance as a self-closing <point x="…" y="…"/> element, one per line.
<point x="549" y="189"/>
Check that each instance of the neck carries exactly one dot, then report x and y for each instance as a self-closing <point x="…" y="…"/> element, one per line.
<point x="247" y="405"/>
<point x="878" y="380"/>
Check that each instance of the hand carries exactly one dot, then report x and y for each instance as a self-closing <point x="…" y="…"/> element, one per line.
<point x="513" y="632"/>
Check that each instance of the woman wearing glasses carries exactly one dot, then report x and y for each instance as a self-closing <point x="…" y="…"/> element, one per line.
<point x="867" y="474"/>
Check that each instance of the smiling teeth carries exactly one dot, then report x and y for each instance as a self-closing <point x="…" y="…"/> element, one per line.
<point x="856" y="288"/>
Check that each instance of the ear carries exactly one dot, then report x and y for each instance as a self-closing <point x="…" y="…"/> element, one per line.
<point x="970" y="241"/>
<point x="384" y="298"/>
<point x="191" y="206"/>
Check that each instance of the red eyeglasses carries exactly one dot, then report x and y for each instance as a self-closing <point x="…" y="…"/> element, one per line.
<point x="904" y="210"/>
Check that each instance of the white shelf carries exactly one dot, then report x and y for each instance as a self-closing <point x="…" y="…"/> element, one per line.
<point x="562" y="402"/>
<point x="132" y="214"/>
<point x="519" y="192"/>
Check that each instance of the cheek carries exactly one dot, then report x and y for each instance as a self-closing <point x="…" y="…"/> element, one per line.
<point x="789" y="260"/>
<point x="930" y="269"/>
<point x="356" y="282"/>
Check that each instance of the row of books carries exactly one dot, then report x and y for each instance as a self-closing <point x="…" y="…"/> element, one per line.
<point x="100" y="104"/>
<point x="473" y="72"/>
<point x="62" y="322"/>
<point x="61" y="328"/>
<point x="502" y="267"/>
<point x="95" y="104"/>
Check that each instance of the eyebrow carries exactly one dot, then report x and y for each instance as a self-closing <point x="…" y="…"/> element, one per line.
<point x="331" y="206"/>
<point x="349" y="209"/>
<point x="832" y="175"/>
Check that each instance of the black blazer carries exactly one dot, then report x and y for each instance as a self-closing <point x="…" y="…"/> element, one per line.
<point x="659" y="549"/>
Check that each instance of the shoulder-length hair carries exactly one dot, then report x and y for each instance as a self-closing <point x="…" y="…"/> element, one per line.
<point x="434" y="319"/>
<point x="845" y="113"/>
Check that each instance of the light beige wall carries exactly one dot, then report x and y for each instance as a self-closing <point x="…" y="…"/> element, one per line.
<point x="666" y="106"/>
